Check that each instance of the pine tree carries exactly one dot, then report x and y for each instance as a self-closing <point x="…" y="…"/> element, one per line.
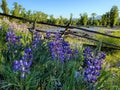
<point x="85" y="19"/>
<point x="114" y="14"/>
<point x="17" y="9"/>
<point x="93" y="16"/>
<point x="4" y="7"/>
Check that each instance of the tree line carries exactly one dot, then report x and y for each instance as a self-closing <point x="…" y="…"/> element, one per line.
<point x="110" y="18"/>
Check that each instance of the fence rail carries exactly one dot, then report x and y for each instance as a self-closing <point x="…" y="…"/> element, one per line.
<point x="62" y="26"/>
<point x="115" y="47"/>
<point x="66" y="28"/>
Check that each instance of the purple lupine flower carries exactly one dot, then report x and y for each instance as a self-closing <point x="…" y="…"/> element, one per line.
<point x="13" y="40"/>
<point x="36" y="39"/>
<point x="11" y="37"/>
<point x="18" y="38"/>
<point x="57" y="35"/>
<point x="75" y="51"/>
<point x="56" y="49"/>
<point x="16" y="66"/>
<point x="101" y="56"/>
<point x="14" y="43"/>
<point x="87" y="52"/>
<point x="24" y="64"/>
<point x="60" y="49"/>
<point x="48" y="35"/>
<point x="92" y="65"/>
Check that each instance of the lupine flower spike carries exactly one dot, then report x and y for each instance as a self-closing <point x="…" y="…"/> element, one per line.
<point x="23" y="65"/>
<point x="92" y="65"/>
<point x="60" y="49"/>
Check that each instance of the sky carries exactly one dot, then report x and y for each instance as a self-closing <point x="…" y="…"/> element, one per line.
<point x="66" y="7"/>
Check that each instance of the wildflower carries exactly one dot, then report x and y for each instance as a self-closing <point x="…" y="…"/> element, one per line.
<point x="14" y="43"/>
<point x="23" y="65"/>
<point x="87" y="52"/>
<point x="57" y="36"/>
<point x="11" y="37"/>
<point x="48" y="34"/>
<point x="36" y="40"/>
<point x="60" y="49"/>
<point x="92" y="64"/>
<point x="13" y="40"/>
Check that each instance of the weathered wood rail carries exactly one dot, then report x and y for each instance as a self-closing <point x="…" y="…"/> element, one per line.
<point x="114" y="46"/>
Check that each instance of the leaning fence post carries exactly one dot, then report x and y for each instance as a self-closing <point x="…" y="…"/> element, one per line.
<point x="34" y="24"/>
<point x="66" y="28"/>
<point x="32" y="29"/>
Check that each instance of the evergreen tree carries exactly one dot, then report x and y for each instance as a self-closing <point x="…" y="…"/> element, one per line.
<point x="104" y="20"/>
<point x="85" y="19"/>
<point x="118" y="22"/>
<point x="17" y="9"/>
<point x="57" y="20"/>
<point x="4" y="7"/>
<point x="90" y="21"/>
<point x="96" y="22"/>
<point x="114" y="14"/>
<point x="93" y="16"/>
<point x="80" y="20"/>
<point x="23" y="12"/>
<point x="61" y="20"/>
<point x="29" y="14"/>
<point x="108" y="18"/>
<point x="51" y="19"/>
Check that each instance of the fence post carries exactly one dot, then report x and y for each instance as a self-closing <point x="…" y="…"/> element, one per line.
<point x="66" y="28"/>
<point x="32" y="29"/>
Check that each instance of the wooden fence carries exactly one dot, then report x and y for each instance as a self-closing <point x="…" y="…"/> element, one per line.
<point x="111" y="46"/>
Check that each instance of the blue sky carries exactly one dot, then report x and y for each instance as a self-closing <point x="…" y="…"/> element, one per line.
<point x="65" y="7"/>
